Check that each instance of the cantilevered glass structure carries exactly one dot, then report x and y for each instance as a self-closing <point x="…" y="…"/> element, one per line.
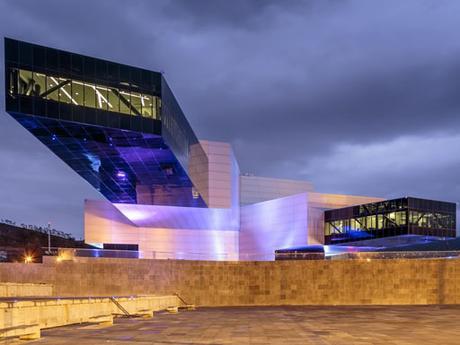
<point x="119" y="127"/>
<point x="390" y="218"/>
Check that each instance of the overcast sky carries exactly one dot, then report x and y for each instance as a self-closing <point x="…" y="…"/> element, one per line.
<point x="359" y="97"/>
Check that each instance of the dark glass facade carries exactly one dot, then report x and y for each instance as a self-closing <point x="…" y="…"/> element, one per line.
<point x="390" y="218"/>
<point x="119" y="127"/>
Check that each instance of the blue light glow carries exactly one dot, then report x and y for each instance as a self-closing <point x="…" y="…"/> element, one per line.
<point x="95" y="161"/>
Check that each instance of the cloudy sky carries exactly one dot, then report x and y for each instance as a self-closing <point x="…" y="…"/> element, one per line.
<point x="359" y="97"/>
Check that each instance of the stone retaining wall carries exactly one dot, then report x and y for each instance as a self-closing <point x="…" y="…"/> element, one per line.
<point x="25" y="290"/>
<point x="347" y="282"/>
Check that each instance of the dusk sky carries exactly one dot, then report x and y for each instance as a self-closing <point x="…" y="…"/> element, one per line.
<point x="358" y="97"/>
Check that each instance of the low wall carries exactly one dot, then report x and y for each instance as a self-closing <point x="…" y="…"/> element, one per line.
<point x="204" y="283"/>
<point x="25" y="318"/>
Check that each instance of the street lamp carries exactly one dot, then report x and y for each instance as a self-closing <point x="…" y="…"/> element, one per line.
<point x="49" y="238"/>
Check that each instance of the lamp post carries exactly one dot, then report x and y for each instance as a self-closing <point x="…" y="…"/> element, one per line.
<point x="49" y="238"/>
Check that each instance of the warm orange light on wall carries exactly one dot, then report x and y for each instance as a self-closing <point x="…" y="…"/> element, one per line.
<point x="28" y="259"/>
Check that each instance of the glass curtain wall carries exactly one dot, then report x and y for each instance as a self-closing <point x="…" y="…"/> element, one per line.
<point x="391" y="218"/>
<point x="85" y="94"/>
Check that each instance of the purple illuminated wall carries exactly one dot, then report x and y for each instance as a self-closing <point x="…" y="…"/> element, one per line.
<point x="164" y="232"/>
<point x="271" y="225"/>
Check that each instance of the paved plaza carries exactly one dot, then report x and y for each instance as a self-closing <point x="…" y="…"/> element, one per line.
<point x="274" y="325"/>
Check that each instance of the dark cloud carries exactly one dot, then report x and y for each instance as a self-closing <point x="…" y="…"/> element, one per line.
<point x="234" y="15"/>
<point x="357" y="96"/>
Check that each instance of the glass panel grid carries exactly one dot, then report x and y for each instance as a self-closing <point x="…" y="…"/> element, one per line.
<point x="390" y="218"/>
<point x="85" y="94"/>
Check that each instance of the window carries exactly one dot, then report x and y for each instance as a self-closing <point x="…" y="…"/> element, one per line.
<point x="25" y="82"/>
<point x="400" y="218"/>
<point x="90" y="95"/>
<point x="78" y="92"/>
<point x="125" y="101"/>
<point x="81" y="93"/>
<point x="101" y="98"/>
<point x="52" y="89"/>
<point x="148" y="106"/>
<point x="371" y="222"/>
<point x="40" y="84"/>
<point x="114" y="101"/>
<point x="136" y="102"/>
<point x="65" y="91"/>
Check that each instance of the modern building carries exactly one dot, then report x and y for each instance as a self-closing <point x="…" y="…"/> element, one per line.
<point x="167" y="194"/>
<point x="404" y="216"/>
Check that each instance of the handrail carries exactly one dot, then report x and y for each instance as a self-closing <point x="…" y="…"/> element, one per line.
<point x="181" y="299"/>
<point x="119" y="306"/>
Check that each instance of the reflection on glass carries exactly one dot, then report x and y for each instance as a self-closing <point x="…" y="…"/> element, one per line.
<point x="13" y="77"/>
<point x="431" y="220"/>
<point x="84" y="94"/>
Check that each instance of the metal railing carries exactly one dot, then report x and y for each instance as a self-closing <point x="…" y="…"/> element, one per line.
<point x="211" y="256"/>
<point x="396" y="255"/>
<point x="41" y="229"/>
<point x="71" y="253"/>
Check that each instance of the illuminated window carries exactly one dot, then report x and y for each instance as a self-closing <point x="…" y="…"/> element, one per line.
<point x="147" y="106"/>
<point x="136" y="103"/>
<point x="371" y="222"/>
<point x="90" y="95"/>
<point x="113" y="100"/>
<point x="400" y="218"/>
<point x="40" y="84"/>
<point x="78" y="92"/>
<point x="81" y="93"/>
<point x="25" y="82"/>
<point x="65" y="90"/>
<point x="101" y="98"/>
<point x="125" y="101"/>
<point x="52" y="89"/>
